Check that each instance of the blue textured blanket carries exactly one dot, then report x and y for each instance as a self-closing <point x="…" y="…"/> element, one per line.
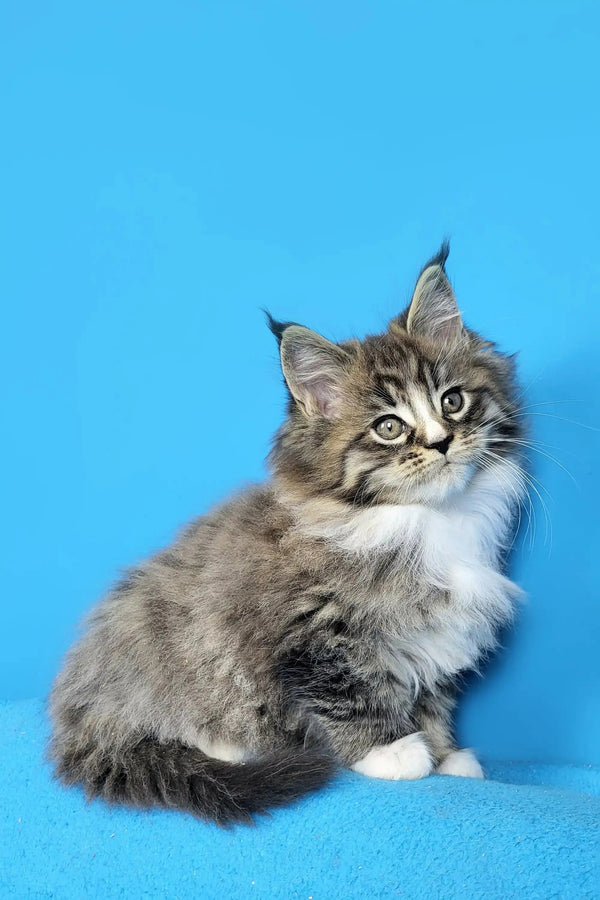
<point x="528" y="831"/>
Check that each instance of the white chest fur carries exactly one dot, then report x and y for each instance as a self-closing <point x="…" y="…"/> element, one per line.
<point x="454" y="548"/>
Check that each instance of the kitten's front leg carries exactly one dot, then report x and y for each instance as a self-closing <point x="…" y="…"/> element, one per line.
<point x="358" y="716"/>
<point x="433" y="714"/>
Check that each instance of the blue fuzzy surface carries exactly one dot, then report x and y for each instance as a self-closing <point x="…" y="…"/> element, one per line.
<point x="528" y="831"/>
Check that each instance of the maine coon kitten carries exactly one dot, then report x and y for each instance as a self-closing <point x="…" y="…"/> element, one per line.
<point x="321" y="619"/>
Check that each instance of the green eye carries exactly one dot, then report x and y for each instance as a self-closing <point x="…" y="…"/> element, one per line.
<point x="389" y="428"/>
<point x="453" y="401"/>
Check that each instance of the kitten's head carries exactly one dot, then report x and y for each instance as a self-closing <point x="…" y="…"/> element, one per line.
<point x="407" y="416"/>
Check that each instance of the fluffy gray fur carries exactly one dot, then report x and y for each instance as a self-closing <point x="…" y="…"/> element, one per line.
<point x="321" y="619"/>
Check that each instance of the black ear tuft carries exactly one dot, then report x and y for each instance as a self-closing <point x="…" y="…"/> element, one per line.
<point x="440" y="257"/>
<point x="433" y="312"/>
<point x="277" y="328"/>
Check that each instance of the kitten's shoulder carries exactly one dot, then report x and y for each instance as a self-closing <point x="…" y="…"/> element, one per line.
<point x="252" y="513"/>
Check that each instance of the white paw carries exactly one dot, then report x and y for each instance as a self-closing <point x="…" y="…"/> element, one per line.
<point x="461" y="762"/>
<point x="408" y="757"/>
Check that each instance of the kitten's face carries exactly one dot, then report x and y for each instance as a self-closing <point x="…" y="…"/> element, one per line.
<point x="404" y="417"/>
<point x="417" y="422"/>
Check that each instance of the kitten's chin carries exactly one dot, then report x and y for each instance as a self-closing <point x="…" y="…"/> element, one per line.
<point x="453" y="478"/>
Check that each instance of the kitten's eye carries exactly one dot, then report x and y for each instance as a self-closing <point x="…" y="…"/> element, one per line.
<point x="452" y="401"/>
<point x="389" y="428"/>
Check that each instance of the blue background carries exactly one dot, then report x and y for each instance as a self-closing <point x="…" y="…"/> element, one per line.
<point x="168" y="168"/>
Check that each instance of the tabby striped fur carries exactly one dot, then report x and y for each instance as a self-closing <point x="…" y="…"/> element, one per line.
<point x="321" y="619"/>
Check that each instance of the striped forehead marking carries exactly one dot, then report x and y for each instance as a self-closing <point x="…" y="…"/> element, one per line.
<point x="432" y="429"/>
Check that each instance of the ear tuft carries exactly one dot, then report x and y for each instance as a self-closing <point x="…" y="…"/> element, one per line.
<point x="440" y="257"/>
<point x="433" y="311"/>
<point x="277" y="328"/>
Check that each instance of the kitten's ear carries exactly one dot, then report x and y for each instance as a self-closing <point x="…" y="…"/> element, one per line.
<point x="313" y="367"/>
<point x="433" y="312"/>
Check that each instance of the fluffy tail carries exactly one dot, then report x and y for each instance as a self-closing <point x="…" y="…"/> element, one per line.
<point x="174" y="776"/>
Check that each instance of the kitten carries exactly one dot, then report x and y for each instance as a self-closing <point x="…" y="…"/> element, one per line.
<point x="321" y="619"/>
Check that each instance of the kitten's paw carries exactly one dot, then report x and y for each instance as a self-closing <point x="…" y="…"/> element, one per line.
<point x="461" y="762"/>
<point x="407" y="758"/>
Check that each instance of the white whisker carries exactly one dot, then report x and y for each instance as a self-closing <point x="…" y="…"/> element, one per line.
<point x="529" y="445"/>
<point x="529" y="479"/>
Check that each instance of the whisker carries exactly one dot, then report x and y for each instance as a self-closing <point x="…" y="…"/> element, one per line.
<point x="529" y="479"/>
<point x="533" y="406"/>
<point x="501" y="477"/>
<point x="549" y="456"/>
<point x="543" y="415"/>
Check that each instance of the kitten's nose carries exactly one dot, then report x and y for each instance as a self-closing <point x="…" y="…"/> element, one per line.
<point x="442" y="446"/>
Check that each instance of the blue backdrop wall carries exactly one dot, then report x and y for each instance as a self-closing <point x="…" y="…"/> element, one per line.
<point x="168" y="168"/>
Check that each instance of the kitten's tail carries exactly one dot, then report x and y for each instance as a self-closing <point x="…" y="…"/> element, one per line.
<point x="175" y="776"/>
